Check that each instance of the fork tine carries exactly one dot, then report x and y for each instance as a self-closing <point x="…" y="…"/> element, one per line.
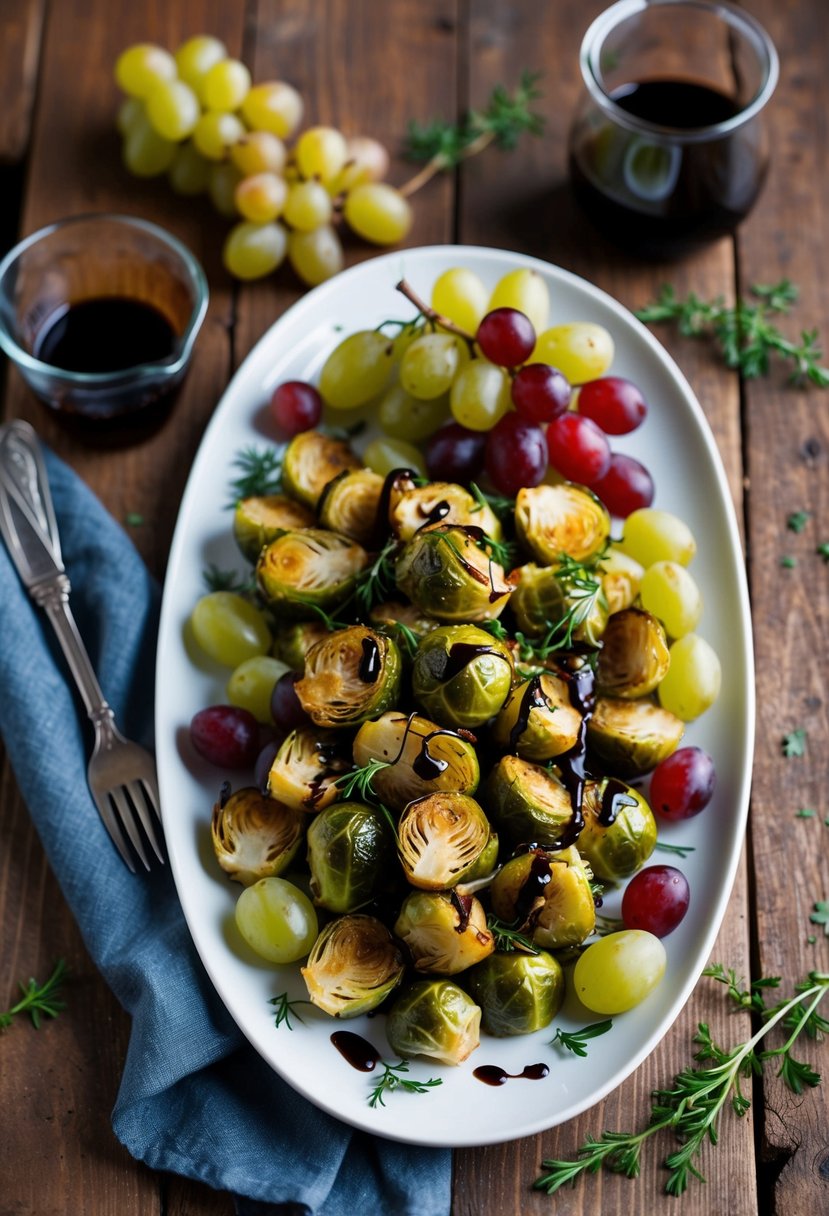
<point x="111" y="824"/>
<point x="127" y="818"/>
<point x="149" y="782"/>
<point x="140" y="795"/>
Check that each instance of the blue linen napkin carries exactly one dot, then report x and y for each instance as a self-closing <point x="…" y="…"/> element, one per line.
<point x="195" y="1098"/>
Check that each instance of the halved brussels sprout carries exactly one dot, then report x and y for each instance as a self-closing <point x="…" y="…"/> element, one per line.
<point x="632" y="737"/>
<point x="399" y="620"/>
<point x="351" y="675"/>
<point x="565" y="518"/>
<point x="350" y="503"/>
<point x="434" y="1018"/>
<point x="306" y="767"/>
<point x="350" y="855"/>
<point x="461" y="675"/>
<point x="546" y="596"/>
<point x="292" y="643"/>
<point x="444" y="934"/>
<point x="353" y="966"/>
<point x="548" y="895"/>
<point x="518" y="993"/>
<point x="421" y="757"/>
<point x="440" y="503"/>
<point x="255" y="836"/>
<point x="619" y="832"/>
<point x="634" y="656"/>
<point x="528" y="803"/>
<point x="311" y="460"/>
<point x="440" y="838"/>
<point x="260" y="519"/>
<point x="538" y="721"/>
<point x="309" y="569"/>
<point x="621" y="576"/>
<point x="484" y="866"/>
<point x="445" y="572"/>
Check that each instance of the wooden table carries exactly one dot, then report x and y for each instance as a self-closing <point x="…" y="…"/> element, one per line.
<point x="372" y="67"/>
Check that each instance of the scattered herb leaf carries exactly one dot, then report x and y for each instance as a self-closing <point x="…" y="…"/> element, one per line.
<point x="823" y="550"/>
<point x="575" y="1040"/>
<point x="503" y="508"/>
<point x="788" y="563"/>
<point x="794" y="743"/>
<point x="391" y="1080"/>
<point x="820" y="915"/>
<point x="681" y="850"/>
<point x="797" y="520"/>
<point x="38" y="999"/>
<point x="805" y="812"/>
<point x="260" y="473"/>
<point x="133" y="520"/>
<point x="285" y="1009"/>
<point x="361" y="779"/>
<point x="508" y="938"/>
<point x="215" y="579"/>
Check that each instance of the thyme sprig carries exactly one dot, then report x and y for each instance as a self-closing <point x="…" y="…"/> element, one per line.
<point x="377" y="582"/>
<point x="503" y="508"/>
<point x="38" y="1000"/>
<point x="508" y="938"/>
<point x="361" y="779"/>
<point x="260" y="473"/>
<point x="285" y="1009"/>
<point x="582" y="588"/>
<point x="391" y="1079"/>
<point x="680" y="850"/>
<point x="574" y="1040"/>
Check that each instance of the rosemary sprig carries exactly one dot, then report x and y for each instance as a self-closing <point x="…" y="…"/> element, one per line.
<point x="575" y="1040"/>
<point x="38" y="999"/>
<point x="507" y="938"/>
<point x="216" y="579"/>
<point x="376" y="583"/>
<point x="361" y="779"/>
<point x="680" y="850"/>
<point x="390" y="1080"/>
<point x="582" y="588"/>
<point x="260" y="473"/>
<point x="503" y="507"/>
<point x="285" y="1009"/>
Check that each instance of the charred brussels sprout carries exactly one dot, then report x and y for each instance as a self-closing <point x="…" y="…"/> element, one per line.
<point x="434" y="1018"/>
<point x="254" y="836"/>
<point x="350" y="675"/>
<point x="440" y="503"/>
<point x="486" y="863"/>
<point x="310" y="569"/>
<point x="353" y="966"/>
<point x="538" y="721"/>
<point x="621" y="576"/>
<point x="440" y="838"/>
<point x="461" y="675"/>
<point x="518" y="993"/>
<point x="444" y="934"/>
<point x="634" y="655"/>
<point x="306" y="768"/>
<point x="312" y="460"/>
<point x="619" y="831"/>
<point x="293" y="643"/>
<point x="446" y="573"/>
<point x="257" y="521"/>
<point x="632" y="737"/>
<point x="565" y="518"/>
<point x="528" y="803"/>
<point x="350" y="856"/>
<point x="349" y="504"/>
<point x="546" y="596"/>
<point x="421" y="758"/>
<point x="547" y="895"/>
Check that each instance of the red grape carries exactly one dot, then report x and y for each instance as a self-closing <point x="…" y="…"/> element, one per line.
<point x="578" y="449"/>
<point x="296" y="406"/>
<point x="225" y="735"/>
<point x="263" y="764"/>
<point x="626" y="486"/>
<point x="516" y="454"/>
<point x="656" y="899"/>
<point x="540" y="392"/>
<point x="614" y="404"/>
<point x="683" y="785"/>
<point x="454" y="453"/>
<point x="506" y="337"/>
<point x="286" y="709"/>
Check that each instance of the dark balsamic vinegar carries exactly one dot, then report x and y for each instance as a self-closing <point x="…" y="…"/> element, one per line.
<point x="108" y="334"/>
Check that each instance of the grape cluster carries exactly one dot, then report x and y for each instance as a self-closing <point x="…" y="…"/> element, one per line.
<point x="197" y="117"/>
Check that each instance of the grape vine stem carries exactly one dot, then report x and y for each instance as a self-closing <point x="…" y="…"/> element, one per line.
<point x="406" y="289"/>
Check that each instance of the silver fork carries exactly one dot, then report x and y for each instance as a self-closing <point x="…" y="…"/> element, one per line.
<point x="121" y="775"/>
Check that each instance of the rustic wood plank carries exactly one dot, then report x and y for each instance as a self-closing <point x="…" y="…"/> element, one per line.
<point x="21" y="28"/>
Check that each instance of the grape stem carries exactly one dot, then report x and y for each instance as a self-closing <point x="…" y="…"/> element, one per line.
<point x="430" y="314"/>
<point x="439" y="162"/>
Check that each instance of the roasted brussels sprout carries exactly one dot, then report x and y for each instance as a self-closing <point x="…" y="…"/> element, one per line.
<point x="548" y="895"/>
<point x="350" y="856"/>
<point x="255" y="836"/>
<point x="440" y="838"/>
<point x="485" y="865"/>
<point x="349" y="504"/>
<point x="445" y="572"/>
<point x="565" y="518"/>
<point x="518" y="993"/>
<point x="353" y="966"/>
<point x="350" y="675"/>
<point x="434" y="1018"/>
<point x="619" y="832"/>
<point x="259" y="520"/>
<point x="461" y="675"/>
<point x="445" y="934"/>
<point x="440" y="502"/>
<point x="528" y="803"/>
<point x="634" y="655"/>
<point x="312" y="460"/>
<point x="621" y="576"/>
<point x="309" y="569"/>
<point x="421" y="758"/>
<point x="306" y="768"/>
<point x="293" y="643"/>
<point x="632" y="737"/>
<point x="546" y="595"/>
<point x="538" y="721"/>
<point x="401" y="620"/>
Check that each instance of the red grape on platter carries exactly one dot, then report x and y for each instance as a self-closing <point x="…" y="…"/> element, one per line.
<point x="455" y="453"/>
<point x="578" y="450"/>
<point x="683" y="784"/>
<point x="656" y="899"/>
<point x="626" y="486"/>
<point x="540" y="392"/>
<point x="614" y="404"/>
<point x="296" y="406"/>
<point x="516" y="454"/>
<point x="225" y="735"/>
<point x="506" y="337"/>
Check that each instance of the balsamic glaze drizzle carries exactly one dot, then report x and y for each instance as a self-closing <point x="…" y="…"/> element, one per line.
<point x="491" y="1074"/>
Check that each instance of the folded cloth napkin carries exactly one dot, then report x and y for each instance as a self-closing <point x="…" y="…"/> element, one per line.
<point x="194" y="1098"/>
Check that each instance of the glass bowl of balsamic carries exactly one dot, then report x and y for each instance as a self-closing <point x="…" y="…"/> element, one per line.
<point x="667" y="149"/>
<point x="100" y="313"/>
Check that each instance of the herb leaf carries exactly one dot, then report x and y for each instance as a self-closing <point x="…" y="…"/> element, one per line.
<point x="575" y="1040"/>
<point x="797" y="521"/>
<point x="361" y="779"/>
<point x="285" y="1009"/>
<point x="39" y="999"/>
<point x="820" y="915"/>
<point x="794" y="743"/>
<point x="507" y="938"/>
<point x="260" y="473"/>
<point x="391" y="1079"/>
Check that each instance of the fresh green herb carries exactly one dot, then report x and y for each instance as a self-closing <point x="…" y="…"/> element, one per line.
<point x="805" y="812"/>
<point x="508" y="938"/>
<point x="797" y="520"/>
<point x="582" y="590"/>
<point x="284" y="1010"/>
<point x="746" y="998"/>
<point x="504" y="508"/>
<point x="820" y="915"/>
<point x="376" y="582"/>
<point x="608" y="924"/>
<point x="788" y="563"/>
<point x="330" y="622"/>
<point x="405" y="636"/>
<point x="794" y="743"/>
<point x="823" y="550"/>
<point x="215" y="579"/>
<point x="133" y="520"/>
<point x="811" y="939"/>
<point x="389" y="818"/>
<point x="681" y="850"/>
<point x="504" y="552"/>
<point x="391" y="1080"/>
<point x="361" y="779"/>
<point x="575" y="1040"/>
<point x="260" y="473"/>
<point x="743" y="332"/>
<point x="38" y="999"/>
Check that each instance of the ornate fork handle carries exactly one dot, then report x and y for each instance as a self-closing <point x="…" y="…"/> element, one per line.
<point x="52" y="594"/>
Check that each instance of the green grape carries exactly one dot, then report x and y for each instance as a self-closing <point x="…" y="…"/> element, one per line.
<point x="261" y="197"/>
<point x="130" y="113"/>
<point x="315" y="256"/>
<point x="321" y="152"/>
<point x="429" y="366"/>
<point x="196" y="56"/>
<point x="215" y="134"/>
<point x="650" y="535"/>
<point x="251" y="685"/>
<point x="405" y="417"/>
<point x="273" y="106"/>
<point x="378" y="213"/>
<point x="277" y="920"/>
<point x="459" y="295"/>
<point x="693" y="680"/>
<point x="366" y="161"/>
<point x="356" y="370"/>
<point x="581" y="351"/>
<point x="671" y="594"/>
<point x="526" y="291"/>
<point x="617" y="972"/>
<point x="229" y="629"/>
<point x="146" y="153"/>
<point x="173" y="109"/>
<point x="253" y="250"/>
<point x="258" y="152"/>
<point x="221" y="186"/>
<point x="480" y="395"/>
<point x="308" y="206"/>
<point x="225" y="85"/>
<point x="139" y="68"/>
<point x="190" y="172"/>
<point x="382" y="455"/>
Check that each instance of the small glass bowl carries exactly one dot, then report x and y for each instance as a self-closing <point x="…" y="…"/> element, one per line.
<point x="94" y="257"/>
